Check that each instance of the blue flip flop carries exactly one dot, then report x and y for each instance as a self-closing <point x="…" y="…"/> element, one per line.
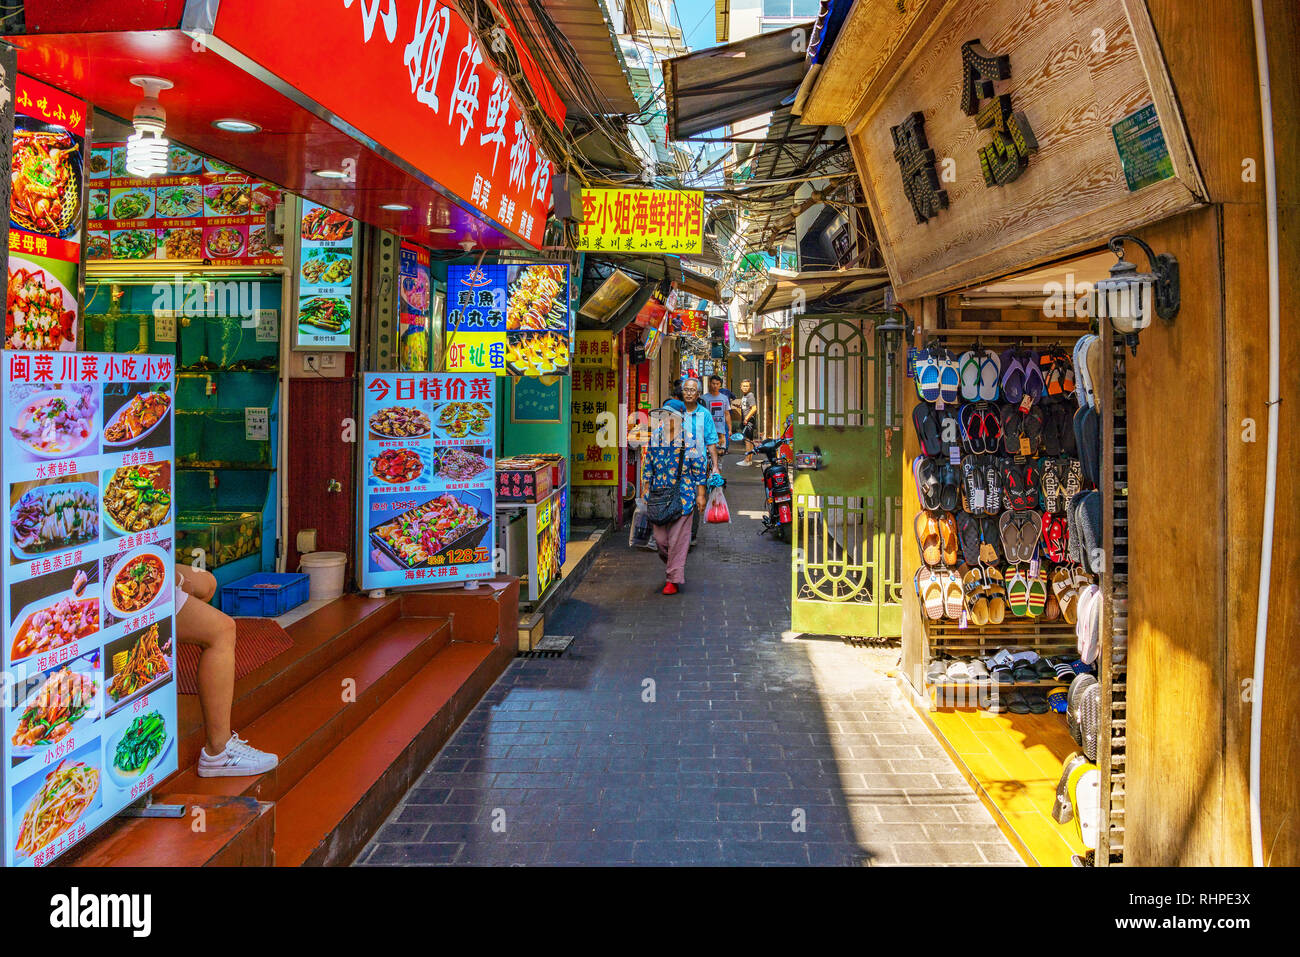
<point x="927" y="377"/>
<point x="949" y="378"/>
<point x="968" y="368"/>
<point x="989" y="390"/>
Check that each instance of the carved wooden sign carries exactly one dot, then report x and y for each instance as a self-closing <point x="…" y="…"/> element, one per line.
<point x="1037" y="174"/>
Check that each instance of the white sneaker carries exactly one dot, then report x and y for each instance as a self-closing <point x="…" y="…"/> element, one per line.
<point x="238" y="760"/>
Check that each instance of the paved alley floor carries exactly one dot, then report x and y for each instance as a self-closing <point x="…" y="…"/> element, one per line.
<point x="687" y="730"/>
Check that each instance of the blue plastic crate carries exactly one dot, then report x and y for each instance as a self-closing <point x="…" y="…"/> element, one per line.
<point x="265" y="594"/>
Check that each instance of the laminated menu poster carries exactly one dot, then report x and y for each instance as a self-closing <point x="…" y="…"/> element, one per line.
<point x="87" y="594"/>
<point x="46" y="213"/>
<point x="202" y="209"/>
<point x="508" y="319"/>
<point x="324" y="280"/>
<point x="427" y="488"/>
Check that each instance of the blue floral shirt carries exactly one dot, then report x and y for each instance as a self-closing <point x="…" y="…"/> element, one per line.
<point x="659" y="466"/>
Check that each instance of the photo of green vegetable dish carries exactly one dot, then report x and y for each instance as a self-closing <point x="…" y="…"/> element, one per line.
<point x="143" y="742"/>
<point x="134" y="244"/>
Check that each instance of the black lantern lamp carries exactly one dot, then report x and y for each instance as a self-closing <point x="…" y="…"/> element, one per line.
<point x="1129" y="298"/>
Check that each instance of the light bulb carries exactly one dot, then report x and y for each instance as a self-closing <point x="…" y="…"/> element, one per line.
<point x="146" y="154"/>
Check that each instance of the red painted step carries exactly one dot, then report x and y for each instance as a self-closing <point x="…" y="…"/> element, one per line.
<point x="304" y="726"/>
<point x="327" y="817"/>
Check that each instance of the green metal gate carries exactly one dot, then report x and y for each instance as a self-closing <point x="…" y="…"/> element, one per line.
<point x="846" y="559"/>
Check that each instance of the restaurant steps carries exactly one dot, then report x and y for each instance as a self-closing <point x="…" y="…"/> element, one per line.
<point x="419" y="662"/>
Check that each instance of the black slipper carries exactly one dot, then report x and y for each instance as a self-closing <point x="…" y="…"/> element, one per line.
<point x="927" y="428"/>
<point x="1036" y="701"/>
<point x="968" y="537"/>
<point x="1015" y="702"/>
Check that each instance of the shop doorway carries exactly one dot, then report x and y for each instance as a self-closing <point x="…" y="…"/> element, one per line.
<point x="846" y="563"/>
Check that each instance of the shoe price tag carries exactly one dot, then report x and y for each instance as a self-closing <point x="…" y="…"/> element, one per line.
<point x="976" y="499"/>
<point x="911" y="362"/>
<point x="961" y="622"/>
<point x="1033" y="568"/>
<point x="1025" y="448"/>
<point x="1025" y="402"/>
<point x="938" y="405"/>
<point x="954" y="455"/>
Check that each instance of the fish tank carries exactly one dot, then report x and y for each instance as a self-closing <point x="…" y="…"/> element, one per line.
<point x="224" y="536"/>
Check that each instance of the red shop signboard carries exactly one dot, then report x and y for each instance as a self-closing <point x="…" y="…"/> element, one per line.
<point x="410" y="75"/>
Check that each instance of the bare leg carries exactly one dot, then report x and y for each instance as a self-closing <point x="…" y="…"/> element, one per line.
<point x="214" y="632"/>
<point x="197" y="584"/>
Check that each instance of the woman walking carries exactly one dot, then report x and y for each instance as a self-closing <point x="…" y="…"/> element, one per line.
<point x="672" y="483"/>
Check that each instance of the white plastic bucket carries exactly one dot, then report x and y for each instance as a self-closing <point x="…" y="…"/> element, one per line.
<point x="326" y="572"/>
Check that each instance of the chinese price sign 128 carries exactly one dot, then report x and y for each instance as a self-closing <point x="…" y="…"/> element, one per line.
<point x="430" y="464"/>
<point x="324" y="280"/>
<point x="46" y="213"/>
<point x="595" y="411"/>
<point x="88" y="603"/>
<point x="642" y="220"/>
<point x="510" y="320"/>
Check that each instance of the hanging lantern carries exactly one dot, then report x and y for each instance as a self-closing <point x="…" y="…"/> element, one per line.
<point x="1129" y="299"/>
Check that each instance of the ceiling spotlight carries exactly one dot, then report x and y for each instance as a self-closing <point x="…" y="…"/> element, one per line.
<point x="330" y="174"/>
<point x="146" y="149"/>
<point x="442" y="230"/>
<point x="396" y="207"/>
<point x="231" y="125"/>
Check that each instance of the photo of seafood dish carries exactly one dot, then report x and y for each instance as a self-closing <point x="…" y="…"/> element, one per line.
<point x="100" y="161"/>
<point x="417" y="535"/>
<point x="325" y="225"/>
<point x="265" y="197"/>
<point x="138" y="497"/>
<point x="229" y="200"/>
<point x="538" y="300"/>
<point x="145" y="665"/>
<point x="325" y="312"/>
<point x="460" y="419"/>
<point x="63" y="699"/>
<point x="50" y="518"/>
<point x="459" y="465"/>
<point x="98" y="246"/>
<point x="138" y="417"/>
<point x="57" y="423"/>
<point x="64" y="796"/>
<point x="41" y="312"/>
<point x="257" y="245"/>
<point x="98" y="199"/>
<point x="132" y="204"/>
<point x="137" y="582"/>
<point x="327" y="267"/>
<point x="175" y="202"/>
<point x="399" y="422"/>
<point x="225" y="242"/>
<point x="180" y="160"/>
<point x="137" y="748"/>
<point x="183" y="242"/>
<point x="134" y="243"/>
<point x="544" y="353"/>
<point x="45" y="178"/>
<point x="54" y="624"/>
<point x="397" y="466"/>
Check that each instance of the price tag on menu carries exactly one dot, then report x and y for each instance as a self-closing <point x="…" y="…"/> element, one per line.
<point x="268" y="325"/>
<point x="164" y="325"/>
<point x="257" y="423"/>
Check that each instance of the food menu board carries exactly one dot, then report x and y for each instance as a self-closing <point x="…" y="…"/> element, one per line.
<point x="595" y="394"/>
<point x="414" y="289"/>
<point x="46" y="212"/>
<point x="508" y="319"/>
<point x="89" y="722"/>
<point x="325" y="283"/>
<point x="427" y="487"/>
<point x="202" y="209"/>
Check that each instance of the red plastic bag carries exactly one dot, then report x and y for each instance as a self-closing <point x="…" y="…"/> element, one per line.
<point x="715" y="509"/>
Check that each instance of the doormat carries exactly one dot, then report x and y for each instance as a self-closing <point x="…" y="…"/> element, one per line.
<point x="257" y="641"/>
<point x="550" y="646"/>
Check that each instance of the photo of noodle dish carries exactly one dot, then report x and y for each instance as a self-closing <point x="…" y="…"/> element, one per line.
<point x="137" y="662"/>
<point x="48" y="806"/>
<point x="45" y="178"/>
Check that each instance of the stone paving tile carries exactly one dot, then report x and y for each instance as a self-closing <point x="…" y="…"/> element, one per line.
<point x="685" y="731"/>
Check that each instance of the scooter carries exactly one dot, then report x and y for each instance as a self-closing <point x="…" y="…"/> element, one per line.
<point x="776" y="483"/>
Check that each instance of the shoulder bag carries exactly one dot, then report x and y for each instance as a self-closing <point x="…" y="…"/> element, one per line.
<point x="664" y="506"/>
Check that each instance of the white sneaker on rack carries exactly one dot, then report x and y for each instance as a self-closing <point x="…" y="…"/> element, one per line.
<point x="237" y="760"/>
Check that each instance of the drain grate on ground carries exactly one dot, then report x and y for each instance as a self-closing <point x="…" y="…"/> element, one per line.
<point x="550" y="646"/>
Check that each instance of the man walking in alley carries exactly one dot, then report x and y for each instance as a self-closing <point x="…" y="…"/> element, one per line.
<point x="748" y="405"/>
<point x="718" y="403"/>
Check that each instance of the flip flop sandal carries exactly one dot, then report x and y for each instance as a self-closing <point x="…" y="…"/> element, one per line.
<point x="1009" y="535"/>
<point x="997" y="595"/>
<point x="930" y="590"/>
<point x="1051" y="537"/>
<point x="948" y="538"/>
<point x="1037" y="594"/>
<point x="948" y="423"/>
<point x="1051" y="608"/>
<point x="992" y="421"/>
<point x="936" y="673"/>
<point x="1050" y="371"/>
<point x="929" y="482"/>
<point x="1067" y="375"/>
<point x="1043" y="668"/>
<point x="990" y="540"/>
<point x="927" y="537"/>
<point x="972" y="429"/>
<point x="999" y="672"/>
<point x="1084" y="387"/>
<point x="949" y="492"/>
<point x="1066" y="596"/>
<point x="952" y="596"/>
<point x="1051" y="484"/>
<point x="990" y="384"/>
<point x="927" y="429"/>
<point x="1073" y="478"/>
<point x="1072" y="528"/>
<point x="1033" y="385"/>
<point x="1013" y="483"/>
<point x="968" y="536"/>
<point x="1030" y="471"/>
<point x="1051" y="438"/>
<point x="1024" y="674"/>
<point x="958" y="670"/>
<point x="972" y="484"/>
<point x="996" y="703"/>
<point x="1061" y="664"/>
<point x="1012" y="421"/>
<point x="1036" y="701"/>
<point x="1063" y="532"/>
<point x="992" y="487"/>
<point x="949" y="379"/>
<point x="1018" y="594"/>
<point x="977" y="670"/>
<point x="927" y="377"/>
<point x="977" y="606"/>
<point x="1016" y="703"/>
<point x="968" y="370"/>
<point x="1065" y="430"/>
<point x="1032" y="424"/>
<point x="1013" y="377"/>
<point x="1031" y="529"/>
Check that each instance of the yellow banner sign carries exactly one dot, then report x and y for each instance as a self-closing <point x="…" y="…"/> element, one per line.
<point x="594" y="350"/>
<point x="642" y="220"/>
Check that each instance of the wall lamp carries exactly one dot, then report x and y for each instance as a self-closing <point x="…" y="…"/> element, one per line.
<point x="1129" y="298"/>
